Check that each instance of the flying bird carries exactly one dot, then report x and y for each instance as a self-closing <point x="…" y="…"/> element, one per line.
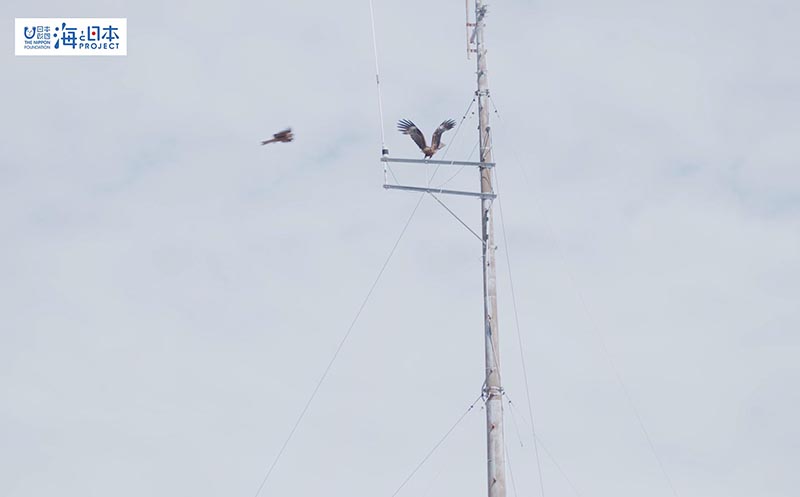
<point x="284" y="136"/>
<point x="408" y="128"/>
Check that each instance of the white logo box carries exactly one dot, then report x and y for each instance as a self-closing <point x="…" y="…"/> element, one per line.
<point x="70" y="36"/>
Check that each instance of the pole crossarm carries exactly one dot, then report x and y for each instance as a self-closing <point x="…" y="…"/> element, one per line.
<point x="481" y="195"/>
<point x="439" y="162"/>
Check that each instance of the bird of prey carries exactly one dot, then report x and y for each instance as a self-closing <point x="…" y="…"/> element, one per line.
<point x="408" y="128"/>
<point x="284" y="136"/>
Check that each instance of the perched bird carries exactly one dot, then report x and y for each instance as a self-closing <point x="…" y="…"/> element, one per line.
<point x="408" y="128"/>
<point x="281" y="136"/>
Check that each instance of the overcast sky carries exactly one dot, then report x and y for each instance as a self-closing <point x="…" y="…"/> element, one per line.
<point x="171" y="291"/>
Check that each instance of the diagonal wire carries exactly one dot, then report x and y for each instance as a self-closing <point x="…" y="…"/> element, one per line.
<point x="439" y="443"/>
<point x="519" y="336"/>
<point x="516" y="425"/>
<point x="446" y="150"/>
<point x="338" y="350"/>
<point x="508" y="462"/>
<point x="389" y="168"/>
<point x="455" y="216"/>
<point x="446" y="207"/>
<point x="598" y="334"/>
<point x="545" y="449"/>
<point x="460" y="169"/>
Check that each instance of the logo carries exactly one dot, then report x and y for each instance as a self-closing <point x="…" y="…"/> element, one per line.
<point x="70" y="36"/>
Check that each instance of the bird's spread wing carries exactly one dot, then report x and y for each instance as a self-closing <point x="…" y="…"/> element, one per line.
<point x="284" y="136"/>
<point x="436" y="141"/>
<point x="408" y="128"/>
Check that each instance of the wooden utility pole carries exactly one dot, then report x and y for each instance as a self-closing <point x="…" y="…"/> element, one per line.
<point x="492" y="389"/>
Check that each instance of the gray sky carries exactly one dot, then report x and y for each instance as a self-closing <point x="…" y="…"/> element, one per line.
<point x="171" y="291"/>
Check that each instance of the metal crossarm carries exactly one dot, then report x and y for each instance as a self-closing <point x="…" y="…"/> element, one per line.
<point x="438" y="162"/>
<point x="439" y="190"/>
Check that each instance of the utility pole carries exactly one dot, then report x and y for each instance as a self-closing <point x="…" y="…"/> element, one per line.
<point x="492" y="389"/>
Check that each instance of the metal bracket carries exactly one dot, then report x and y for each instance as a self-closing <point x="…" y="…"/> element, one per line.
<point x="439" y="162"/>
<point x="439" y="190"/>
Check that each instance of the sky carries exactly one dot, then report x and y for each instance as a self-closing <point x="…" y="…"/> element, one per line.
<point x="171" y="291"/>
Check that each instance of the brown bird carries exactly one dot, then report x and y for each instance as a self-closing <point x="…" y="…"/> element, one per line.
<point x="408" y="128"/>
<point x="284" y="136"/>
